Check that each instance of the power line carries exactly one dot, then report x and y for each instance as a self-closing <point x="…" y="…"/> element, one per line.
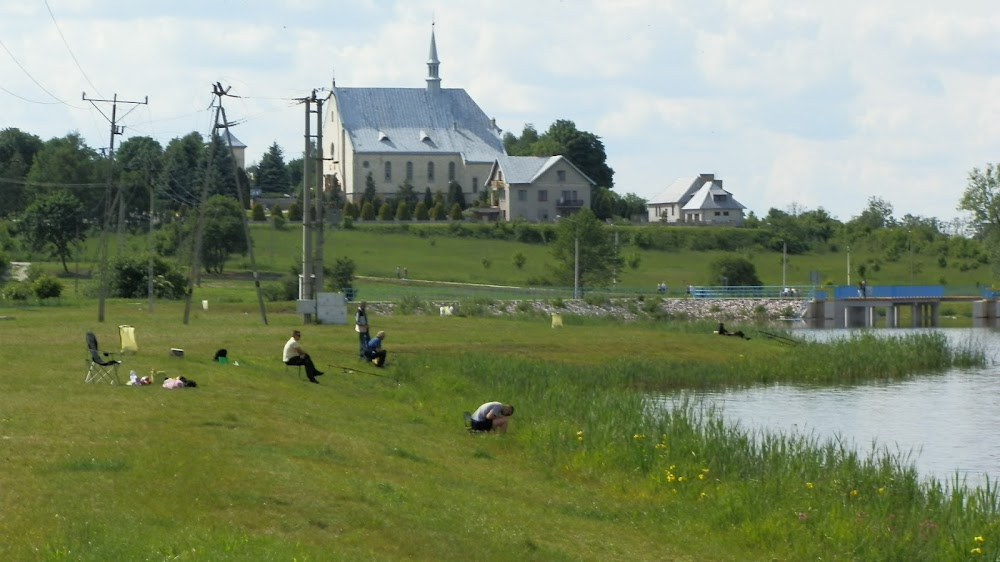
<point x="28" y="74"/>
<point x="63" y="37"/>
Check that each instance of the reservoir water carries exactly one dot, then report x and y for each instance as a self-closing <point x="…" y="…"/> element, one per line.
<point x="948" y="423"/>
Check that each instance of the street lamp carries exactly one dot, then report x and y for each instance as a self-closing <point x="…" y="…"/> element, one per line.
<point x="848" y="264"/>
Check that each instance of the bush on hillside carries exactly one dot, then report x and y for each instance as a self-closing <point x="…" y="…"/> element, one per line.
<point x="47" y="287"/>
<point x="130" y="278"/>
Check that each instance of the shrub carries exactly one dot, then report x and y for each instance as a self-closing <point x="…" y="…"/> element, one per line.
<point x="130" y="274"/>
<point x="519" y="260"/>
<point x="384" y="212"/>
<point x="16" y="292"/>
<point x="276" y="211"/>
<point x="347" y="223"/>
<point x="486" y="263"/>
<point x="558" y="303"/>
<point x="294" y="212"/>
<point x="278" y="221"/>
<point x="410" y="304"/>
<point x="257" y="214"/>
<point x="47" y="287"/>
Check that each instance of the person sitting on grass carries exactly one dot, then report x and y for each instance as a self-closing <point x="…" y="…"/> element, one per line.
<point x="375" y="353"/>
<point x="295" y="355"/>
<point x="492" y="416"/>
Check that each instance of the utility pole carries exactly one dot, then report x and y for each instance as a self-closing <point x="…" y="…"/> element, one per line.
<point x="109" y="203"/>
<point x="243" y="205"/>
<point x="306" y="292"/>
<point x="318" y="264"/>
<point x="220" y="112"/>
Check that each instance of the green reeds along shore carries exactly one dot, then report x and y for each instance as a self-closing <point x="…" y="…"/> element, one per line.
<point x="256" y="464"/>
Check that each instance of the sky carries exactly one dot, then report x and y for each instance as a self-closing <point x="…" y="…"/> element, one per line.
<point x="794" y="105"/>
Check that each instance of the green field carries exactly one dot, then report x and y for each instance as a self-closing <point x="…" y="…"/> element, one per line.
<point x="257" y="464"/>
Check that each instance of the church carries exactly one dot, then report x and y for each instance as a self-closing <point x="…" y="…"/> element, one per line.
<point x="429" y="137"/>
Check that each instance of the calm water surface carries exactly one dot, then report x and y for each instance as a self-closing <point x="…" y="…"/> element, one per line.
<point x="948" y="423"/>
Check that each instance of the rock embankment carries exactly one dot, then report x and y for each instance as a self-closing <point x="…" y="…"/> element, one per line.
<point x="625" y="309"/>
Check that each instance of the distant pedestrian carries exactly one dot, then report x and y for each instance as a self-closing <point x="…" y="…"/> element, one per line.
<point x="397" y="272"/>
<point x="406" y="273"/>
<point x="361" y="327"/>
<point x="862" y="289"/>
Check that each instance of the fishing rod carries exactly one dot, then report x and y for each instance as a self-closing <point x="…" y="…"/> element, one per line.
<point x="779" y="338"/>
<point x="351" y="370"/>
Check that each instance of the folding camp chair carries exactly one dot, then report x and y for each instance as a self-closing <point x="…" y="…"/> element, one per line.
<point x="102" y="366"/>
<point x="127" y="336"/>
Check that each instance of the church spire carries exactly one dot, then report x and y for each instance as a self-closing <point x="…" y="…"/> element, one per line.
<point x="433" y="80"/>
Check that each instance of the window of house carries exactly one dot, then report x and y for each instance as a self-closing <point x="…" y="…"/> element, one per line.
<point x="430" y="171"/>
<point x="409" y="171"/>
<point x="725" y="213"/>
<point x="561" y="175"/>
<point x="543" y="195"/>
<point x="717" y="213"/>
<point x="475" y="185"/>
<point x="564" y="196"/>
<point x="719" y="197"/>
<point x="331" y="149"/>
<point x="388" y="171"/>
<point x="451" y="171"/>
<point x="522" y="194"/>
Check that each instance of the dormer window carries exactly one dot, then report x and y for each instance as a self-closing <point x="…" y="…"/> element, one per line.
<point x="424" y="137"/>
<point x="382" y="136"/>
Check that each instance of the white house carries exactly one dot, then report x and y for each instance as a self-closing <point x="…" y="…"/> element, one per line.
<point x="538" y="188"/>
<point x="696" y="200"/>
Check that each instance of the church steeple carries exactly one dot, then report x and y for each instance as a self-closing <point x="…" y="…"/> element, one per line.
<point x="433" y="80"/>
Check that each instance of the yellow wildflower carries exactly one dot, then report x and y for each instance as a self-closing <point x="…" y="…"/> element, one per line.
<point x="979" y="539"/>
<point x="701" y="477"/>
<point x="976" y="550"/>
<point x="854" y="493"/>
<point x="881" y="490"/>
<point x="809" y="485"/>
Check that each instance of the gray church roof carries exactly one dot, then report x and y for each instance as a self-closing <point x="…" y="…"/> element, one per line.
<point x="418" y="121"/>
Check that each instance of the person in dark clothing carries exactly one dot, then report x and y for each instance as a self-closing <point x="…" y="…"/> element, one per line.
<point x="361" y="327"/>
<point x="375" y="353"/>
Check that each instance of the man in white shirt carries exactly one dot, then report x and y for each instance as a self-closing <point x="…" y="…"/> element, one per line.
<point x="294" y="354"/>
<point x="492" y="416"/>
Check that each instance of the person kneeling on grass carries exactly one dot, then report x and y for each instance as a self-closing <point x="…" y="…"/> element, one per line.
<point x="492" y="416"/>
<point x="375" y="353"/>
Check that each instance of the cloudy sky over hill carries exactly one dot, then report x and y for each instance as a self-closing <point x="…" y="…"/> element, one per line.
<point x="805" y="104"/>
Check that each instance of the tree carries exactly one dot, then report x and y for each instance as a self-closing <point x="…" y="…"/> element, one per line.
<point x="257" y="213"/>
<point x="351" y="210"/>
<point x="455" y="195"/>
<point x="182" y="171"/>
<point x="407" y="194"/>
<point x="877" y="215"/>
<point x="598" y="259"/>
<point x="223" y="235"/>
<point x="342" y="274"/>
<point x="456" y="212"/>
<point x="294" y="212"/>
<point x="420" y="212"/>
<point x="384" y="212"/>
<point x="371" y="192"/>
<point x="982" y="200"/>
<point x="368" y="211"/>
<point x="585" y="150"/>
<point x="428" y="198"/>
<point x="17" y="151"/>
<point x="69" y="161"/>
<point x="54" y="222"/>
<point x="402" y="211"/>
<point x="276" y="211"/>
<point x="139" y="165"/>
<point x="272" y="173"/>
<point x="733" y="271"/>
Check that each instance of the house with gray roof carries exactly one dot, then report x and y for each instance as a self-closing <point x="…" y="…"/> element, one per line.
<point x="429" y="137"/>
<point x="696" y="200"/>
<point x="537" y="188"/>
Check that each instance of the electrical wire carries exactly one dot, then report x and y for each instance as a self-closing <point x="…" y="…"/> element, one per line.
<point x="37" y="83"/>
<point x="63" y="37"/>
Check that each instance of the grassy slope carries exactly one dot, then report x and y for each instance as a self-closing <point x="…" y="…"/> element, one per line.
<point x="255" y="464"/>
<point x="461" y="259"/>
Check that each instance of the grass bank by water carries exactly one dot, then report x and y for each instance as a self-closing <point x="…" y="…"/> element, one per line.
<point x="256" y="464"/>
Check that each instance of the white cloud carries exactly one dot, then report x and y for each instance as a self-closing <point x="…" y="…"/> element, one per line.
<point x="821" y="103"/>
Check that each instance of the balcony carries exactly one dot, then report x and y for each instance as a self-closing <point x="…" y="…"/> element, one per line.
<point x="569" y="203"/>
